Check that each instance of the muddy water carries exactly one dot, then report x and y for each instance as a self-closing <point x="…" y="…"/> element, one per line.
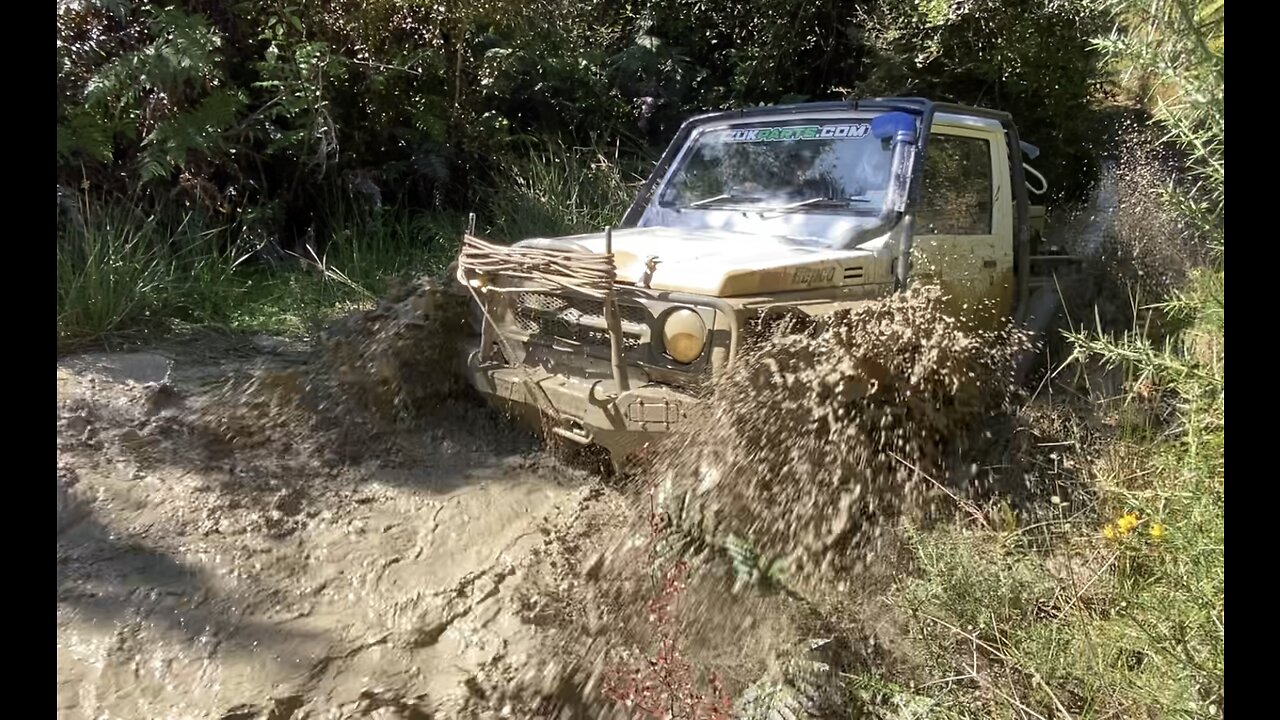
<point x="258" y="584"/>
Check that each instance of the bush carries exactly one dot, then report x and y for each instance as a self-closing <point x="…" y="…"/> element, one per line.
<point x="121" y="270"/>
<point x="1036" y="60"/>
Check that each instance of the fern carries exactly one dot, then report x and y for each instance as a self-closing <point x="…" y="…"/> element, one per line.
<point x="83" y="135"/>
<point x="185" y="51"/>
<point x="195" y="133"/>
<point x="180" y="59"/>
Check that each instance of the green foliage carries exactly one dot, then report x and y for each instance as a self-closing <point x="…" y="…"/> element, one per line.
<point x="1124" y="613"/>
<point x="1120" y="611"/>
<point x="122" y="270"/>
<point x="184" y="138"/>
<point x="1130" y="626"/>
<point x="373" y="248"/>
<point x="1035" y="60"/>
<point x="161" y="96"/>
<point x="253" y="105"/>
<point x="1171" y="55"/>
<point x="82" y="135"/>
<point x="559" y="190"/>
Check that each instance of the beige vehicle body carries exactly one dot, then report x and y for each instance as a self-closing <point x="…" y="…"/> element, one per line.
<point x="595" y="368"/>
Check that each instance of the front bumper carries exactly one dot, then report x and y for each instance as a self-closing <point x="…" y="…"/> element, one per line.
<point x="583" y="410"/>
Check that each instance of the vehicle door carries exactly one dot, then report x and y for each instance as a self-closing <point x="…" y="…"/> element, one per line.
<point x="964" y="223"/>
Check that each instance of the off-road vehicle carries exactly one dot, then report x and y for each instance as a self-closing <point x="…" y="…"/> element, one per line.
<point x="606" y="338"/>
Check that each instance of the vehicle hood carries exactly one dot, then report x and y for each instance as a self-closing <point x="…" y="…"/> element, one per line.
<point x="720" y="263"/>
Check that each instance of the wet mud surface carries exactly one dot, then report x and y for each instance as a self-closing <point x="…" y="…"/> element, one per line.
<point x="198" y="578"/>
<point x="257" y="532"/>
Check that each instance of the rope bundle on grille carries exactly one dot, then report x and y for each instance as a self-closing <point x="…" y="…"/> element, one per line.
<point x="591" y="274"/>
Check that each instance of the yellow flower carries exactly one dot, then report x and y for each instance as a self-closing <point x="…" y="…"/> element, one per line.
<point x="1109" y="531"/>
<point x="1127" y="522"/>
<point x="1157" y="531"/>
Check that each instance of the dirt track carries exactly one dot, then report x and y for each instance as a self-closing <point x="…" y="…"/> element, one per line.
<point x="266" y="548"/>
<point x="198" y="581"/>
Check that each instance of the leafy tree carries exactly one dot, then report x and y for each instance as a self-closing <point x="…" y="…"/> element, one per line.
<point x="268" y="113"/>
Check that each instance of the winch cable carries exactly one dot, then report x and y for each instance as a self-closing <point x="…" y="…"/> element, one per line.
<point x="589" y="274"/>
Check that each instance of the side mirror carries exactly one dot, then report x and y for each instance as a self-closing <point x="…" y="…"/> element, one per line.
<point x="1031" y="151"/>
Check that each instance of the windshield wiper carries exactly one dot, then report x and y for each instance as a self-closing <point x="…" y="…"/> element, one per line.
<point x="820" y="201"/>
<point x="732" y="197"/>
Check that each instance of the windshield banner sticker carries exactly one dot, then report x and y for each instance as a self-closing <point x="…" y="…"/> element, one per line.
<point x="798" y="132"/>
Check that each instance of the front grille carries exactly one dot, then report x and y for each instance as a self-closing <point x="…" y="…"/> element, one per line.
<point x="578" y="319"/>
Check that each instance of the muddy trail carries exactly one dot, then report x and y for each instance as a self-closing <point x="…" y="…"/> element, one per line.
<point x="198" y="578"/>
<point x="254" y="530"/>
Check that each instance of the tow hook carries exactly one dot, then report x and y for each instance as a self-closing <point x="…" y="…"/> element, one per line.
<point x="573" y="431"/>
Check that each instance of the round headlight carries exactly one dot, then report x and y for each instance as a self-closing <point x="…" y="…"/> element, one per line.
<point x="683" y="334"/>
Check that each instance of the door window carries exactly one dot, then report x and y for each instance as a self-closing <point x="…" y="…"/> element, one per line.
<point x="955" y="197"/>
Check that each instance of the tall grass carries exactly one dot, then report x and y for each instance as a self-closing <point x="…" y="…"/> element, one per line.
<point x="557" y="189"/>
<point x="1109" y="602"/>
<point x="126" y="273"/>
<point x="369" y="246"/>
<point x="120" y="270"/>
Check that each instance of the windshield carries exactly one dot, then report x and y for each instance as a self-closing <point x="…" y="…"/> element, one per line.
<point x="800" y="167"/>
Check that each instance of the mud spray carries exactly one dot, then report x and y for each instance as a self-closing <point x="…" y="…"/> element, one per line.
<point x="727" y="591"/>
<point x="826" y="432"/>
<point x="393" y="365"/>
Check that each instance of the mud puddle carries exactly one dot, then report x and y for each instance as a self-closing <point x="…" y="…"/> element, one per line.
<point x="265" y="582"/>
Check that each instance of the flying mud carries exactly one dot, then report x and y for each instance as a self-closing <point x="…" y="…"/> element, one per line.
<point x="827" y="431"/>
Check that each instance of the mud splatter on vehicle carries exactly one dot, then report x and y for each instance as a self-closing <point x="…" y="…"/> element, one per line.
<point x="829" y="430"/>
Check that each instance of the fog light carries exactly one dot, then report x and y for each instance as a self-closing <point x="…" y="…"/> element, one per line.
<point x="683" y="335"/>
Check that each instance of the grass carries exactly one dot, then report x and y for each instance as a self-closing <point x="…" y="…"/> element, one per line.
<point x="127" y="275"/>
<point x="1115" y="606"/>
<point x="122" y="272"/>
<point x="124" y="275"/>
<point x="556" y="189"/>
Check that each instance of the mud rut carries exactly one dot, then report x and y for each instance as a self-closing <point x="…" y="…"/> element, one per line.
<point x="262" y="584"/>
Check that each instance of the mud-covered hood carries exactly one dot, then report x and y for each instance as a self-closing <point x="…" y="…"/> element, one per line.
<point x="721" y="263"/>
